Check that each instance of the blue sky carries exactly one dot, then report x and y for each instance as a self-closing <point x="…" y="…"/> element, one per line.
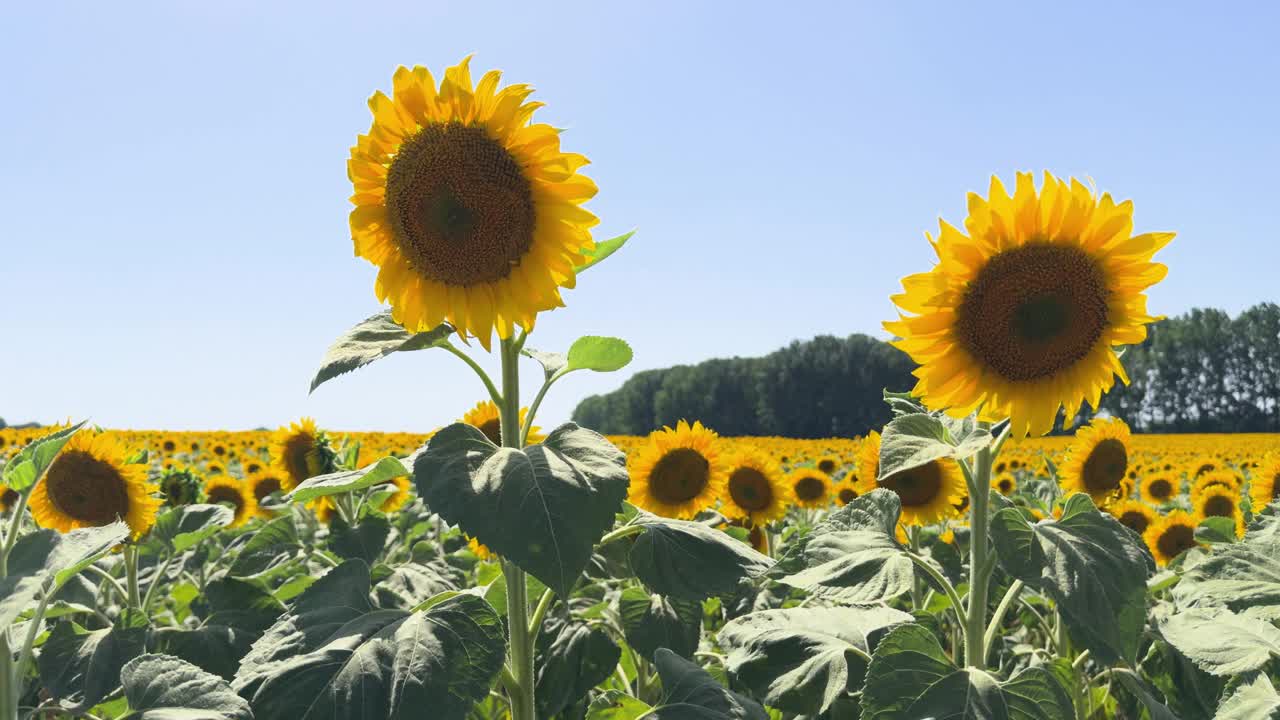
<point x="175" y="245"/>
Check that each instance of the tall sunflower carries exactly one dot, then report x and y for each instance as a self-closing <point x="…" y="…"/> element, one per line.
<point x="1220" y="501"/>
<point x="929" y="493"/>
<point x="486" y="418"/>
<point x="1023" y="311"/>
<point x="229" y="491"/>
<point x="90" y="483"/>
<point x="754" y="487"/>
<point x="1171" y="535"/>
<point x="470" y="210"/>
<point x="1097" y="461"/>
<point x="1159" y="488"/>
<point x="679" y="472"/>
<point x="300" y="451"/>
<point x="1264" y="483"/>
<point x="810" y="487"/>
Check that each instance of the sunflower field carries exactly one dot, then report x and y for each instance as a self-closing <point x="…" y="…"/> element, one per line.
<point x="956" y="563"/>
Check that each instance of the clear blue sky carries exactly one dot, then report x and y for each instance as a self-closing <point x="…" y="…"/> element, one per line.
<point x="175" y="245"/>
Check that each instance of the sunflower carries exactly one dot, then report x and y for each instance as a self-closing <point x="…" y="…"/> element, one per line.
<point x="91" y="484"/>
<point x="1134" y="514"/>
<point x="1021" y="315"/>
<point x="471" y="211"/>
<point x="810" y="487"/>
<point x="263" y="483"/>
<point x="1203" y="464"/>
<point x="1171" y="535"/>
<point x="486" y="418"/>
<point x="1224" y="479"/>
<point x="1005" y="483"/>
<point x="829" y="464"/>
<point x="480" y="550"/>
<point x="8" y="498"/>
<point x="754" y="488"/>
<point x="929" y="493"/>
<point x="324" y="508"/>
<point x="179" y="486"/>
<point x="1097" y="461"/>
<point x="679" y="472"/>
<point x="1220" y="501"/>
<point x="399" y="496"/>
<point x="1159" y="489"/>
<point x="1264" y="483"/>
<point x="846" y="494"/>
<point x="238" y="495"/>
<point x="300" y="451"/>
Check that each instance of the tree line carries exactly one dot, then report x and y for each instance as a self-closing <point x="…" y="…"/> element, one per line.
<point x="1203" y="371"/>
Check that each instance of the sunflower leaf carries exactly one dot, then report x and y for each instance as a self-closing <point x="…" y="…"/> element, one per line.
<point x="651" y="621"/>
<point x="346" y="481"/>
<point x="572" y="658"/>
<point x="163" y="687"/>
<point x="80" y="668"/>
<point x="270" y="543"/>
<point x="1220" y="642"/>
<point x="803" y="660"/>
<point x="1216" y="530"/>
<point x="601" y="354"/>
<point x="28" y="466"/>
<point x="1094" y="569"/>
<point x="617" y="705"/>
<point x="690" y="561"/>
<point x="374" y="338"/>
<point x="1243" y="576"/>
<point x="543" y="507"/>
<point x="1253" y="698"/>
<point x="909" y="441"/>
<point x="184" y="527"/>
<point x="692" y="694"/>
<point x="551" y="362"/>
<point x="45" y="559"/>
<point x="602" y="250"/>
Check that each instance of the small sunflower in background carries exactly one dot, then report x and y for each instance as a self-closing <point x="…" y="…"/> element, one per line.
<point x="480" y="550"/>
<point x="1133" y="514"/>
<point x="846" y="493"/>
<point x="929" y="493"/>
<point x="486" y="418"/>
<point x="470" y="210"/>
<point x="90" y="483"/>
<point x="810" y="487"/>
<point x="1160" y="488"/>
<point x="829" y="464"/>
<point x="1022" y="314"/>
<point x="1264" y="483"/>
<point x="324" y="508"/>
<point x="754" y="487"/>
<point x="1224" y="479"/>
<point x="1202" y="465"/>
<point x="1097" y="461"/>
<point x="1220" y="501"/>
<point x="8" y="498"/>
<point x="399" y="496"/>
<point x="300" y="451"/>
<point x="1170" y="536"/>
<point x="679" y="472"/>
<point x="1005" y="483"/>
<point x="229" y="491"/>
<point x="180" y="486"/>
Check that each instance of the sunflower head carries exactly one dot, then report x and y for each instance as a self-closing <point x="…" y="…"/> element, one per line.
<point x="1021" y="315"/>
<point x="754" y="487"/>
<point x="91" y="483"/>
<point x="1097" y="461"/>
<point x="180" y="486"/>
<point x="929" y="493"/>
<point x="1224" y="479"/>
<point x="262" y="484"/>
<point x="829" y="464"/>
<point x="399" y="496"/>
<point x="300" y="451"/>
<point x="1221" y="501"/>
<point x="470" y="210"/>
<point x="1005" y="483"/>
<point x="1134" y="514"/>
<point x="1171" y="535"/>
<point x="8" y="498"/>
<point x="486" y="418"/>
<point x="223" y="490"/>
<point x="1159" y="488"/>
<point x="1264" y="482"/>
<point x="810" y="487"/>
<point x="679" y="472"/>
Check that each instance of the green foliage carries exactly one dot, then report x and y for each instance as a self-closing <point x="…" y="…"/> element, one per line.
<point x="651" y="621"/>
<point x="43" y="560"/>
<point x="602" y="250"/>
<point x="1253" y="697"/>
<point x="28" y="466"/>
<point x="909" y="441"/>
<point x="83" y="667"/>
<point x="184" y="527"/>
<point x="1221" y="642"/>
<point x="346" y="481"/>
<point x="690" y="561"/>
<point x="572" y="658"/>
<point x="373" y="338"/>
<point x="163" y="687"/>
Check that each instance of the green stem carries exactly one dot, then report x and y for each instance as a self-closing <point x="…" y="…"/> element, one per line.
<point x="155" y="582"/>
<point x="624" y="531"/>
<point x="110" y="579"/>
<point x="917" y="592"/>
<point x="956" y="605"/>
<point x="993" y="628"/>
<point x="8" y="680"/>
<point x="33" y="629"/>
<point x="979" y="499"/>
<point x="533" y="409"/>
<point x="540" y="612"/>
<point x="131" y="576"/>
<point x="520" y="646"/>
<point x="484" y="376"/>
<point x="10" y="537"/>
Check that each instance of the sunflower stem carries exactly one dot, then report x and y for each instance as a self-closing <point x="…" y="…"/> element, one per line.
<point x="979" y="572"/>
<point x="131" y="577"/>
<point x="494" y="395"/>
<point x="520" y="646"/>
<point x="15" y="524"/>
<point x="917" y="592"/>
<point x="8" y="680"/>
<point x="993" y="629"/>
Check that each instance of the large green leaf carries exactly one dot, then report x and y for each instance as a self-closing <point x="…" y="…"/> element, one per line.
<point x="853" y="556"/>
<point x="374" y="338"/>
<point x="163" y="687"/>
<point x="1093" y="568"/>
<point x="617" y="705"/>
<point x="1243" y="576"/>
<point x="690" y="693"/>
<point x="365" y="540"/>
<point x="410" y="584"/>
<point x="333" y="656"/>
<point x="1253" y="698"/>
<point x="346" y="481"/>
<point x="911" y="677"/>
<point x="28" y="466"/>
<point x="651" y="621"/>
<point x="909" y="441"/>
<point x="1220" y="642"/>
<point x="238" y="603"/>
<point x="1147" y="694"/>
<point x="47" y="559"/>
<point x="602" y="250"/>
<point x="690" y="561"/>
<point x="80" y="668"/>
<point x="212" y="648"/>
<point x="803" y="660"/>
<point x="184" y="527"/>
<point x="271" y="545"/>
<point x="543" y="507"/>
<point x="572" y="658"/>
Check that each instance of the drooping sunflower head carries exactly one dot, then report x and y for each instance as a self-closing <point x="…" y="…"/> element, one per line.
<point x="91" y="483"/>
<point x="1023" y="311"/>
<point x="470" y="210"/>
<point x="1159" y="488"/>
<point x="1171" y="535"/>
<point x="1134" y="514"/>
<point x="1264" y="483"/>
<point x="263" y="483"/>
<point x="300" y="451"/>
<point x="180" y="486"/>
<point x="222" y="490"/>
<point x="929" y="493"/>
<point x="679" y="472"/>
<point x="754" y="487"/>
<point x="1097" y="461"/>
<point x="486" y="418"/>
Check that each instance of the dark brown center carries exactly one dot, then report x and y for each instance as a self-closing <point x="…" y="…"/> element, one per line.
<point x="1034" y="311"/>
<point x="810" y="488"/>
<point x="492" y="429"/>
<point x="917" y="486"/>
<point x="1160" y="489"/>
<point x="1219" y="506"/>
<point x="1275" y="486"/>
<point x="1105" y="466"/>
<point x="847" y="495"/>
<point x="1135" y="520"/>
<point x="681" y="475"/>
<point x="297" y="456"/>
<point x="1176" y="540"/>
<point x="227" y="495"/>
<point x="750" y="489"/>
<point x="827" y="465"/>
<point x="459" y="204"/>
<point x="87" y="489"/>
<point x="265" y="486"/>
